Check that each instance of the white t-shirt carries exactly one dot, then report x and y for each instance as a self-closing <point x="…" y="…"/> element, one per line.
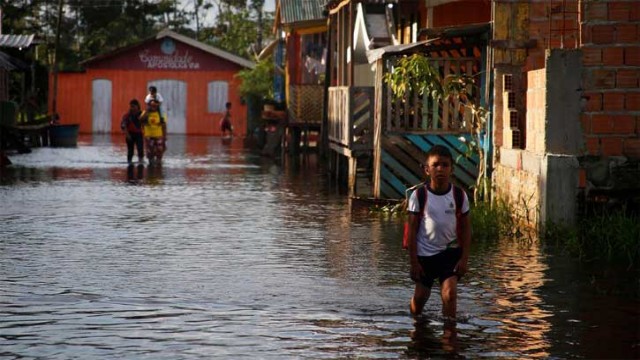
<point x="437" y="230"/>
<point x="150" y="97"/>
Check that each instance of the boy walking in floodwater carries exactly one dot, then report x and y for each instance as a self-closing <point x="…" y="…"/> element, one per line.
<point x="440" y="234"/>
<point x="132" y="127"/>
<point x="155" y="132"/>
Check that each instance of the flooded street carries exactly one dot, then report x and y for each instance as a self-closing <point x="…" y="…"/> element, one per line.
<point x="223" y="254"/>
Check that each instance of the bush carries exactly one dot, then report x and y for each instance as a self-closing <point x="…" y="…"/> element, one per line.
<point x="609" y="237"/>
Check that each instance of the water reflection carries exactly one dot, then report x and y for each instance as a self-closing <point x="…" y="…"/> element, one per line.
<point x="510" y="292"/>
<point x="135" y="173"/>
<point x="435" y="340"/>
<point x="222" y="253"/>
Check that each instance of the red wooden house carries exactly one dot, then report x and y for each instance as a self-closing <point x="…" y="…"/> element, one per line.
<point x="195" y="80"/>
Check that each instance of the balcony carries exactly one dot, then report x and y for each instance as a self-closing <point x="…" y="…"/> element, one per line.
<point x="350" y="118"/>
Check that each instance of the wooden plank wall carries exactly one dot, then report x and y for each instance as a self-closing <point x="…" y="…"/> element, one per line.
<point x="350" y="116"/>
<point x="338" y="115"/>
<point x="362" y="118"/>
<point x="422" y="113"/>
<point x="402" y="155"/>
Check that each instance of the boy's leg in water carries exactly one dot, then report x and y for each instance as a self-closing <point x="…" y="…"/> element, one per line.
<point x="130" y="142"/>
<point x="140" y="146"/>
<point x="449" y="292"/>
<point x="420" y="296"/>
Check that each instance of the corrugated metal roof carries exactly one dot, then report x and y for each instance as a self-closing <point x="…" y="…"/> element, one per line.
<point x="16" y="41"/>
<point x="294" y="11"/>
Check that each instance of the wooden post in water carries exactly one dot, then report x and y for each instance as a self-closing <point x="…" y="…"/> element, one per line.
<point x="296" y="137"/>
<point x="54" y="101"/>
<point x="352" y="176"/>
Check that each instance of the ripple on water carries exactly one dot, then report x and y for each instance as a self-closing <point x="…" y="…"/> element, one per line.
<point x="219" y="253"/>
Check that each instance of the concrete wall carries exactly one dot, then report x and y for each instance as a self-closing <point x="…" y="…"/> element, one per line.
<point x="517" y="180"/>
<point x="563" y="130"/>
<point x="541" y="179"/>
<point x="578" y="69"/>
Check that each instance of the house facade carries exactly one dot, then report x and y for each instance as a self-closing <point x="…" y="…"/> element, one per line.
<point x="195" y="80"/>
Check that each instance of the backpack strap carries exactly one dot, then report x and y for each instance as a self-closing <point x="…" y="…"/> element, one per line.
<point x="422" y="200"/>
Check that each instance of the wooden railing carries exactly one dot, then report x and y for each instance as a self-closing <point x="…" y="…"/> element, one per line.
<point x="350" y="117"/>
<point x="306" y="104"/>
<point x="416" y="113"/>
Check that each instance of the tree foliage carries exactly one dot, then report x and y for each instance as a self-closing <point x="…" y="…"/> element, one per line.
<point x="92" y="27"/>
<point x="240" y="27"/>
<point x="258" y="82"/>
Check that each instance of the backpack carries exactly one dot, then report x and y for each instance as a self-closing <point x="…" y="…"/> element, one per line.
<point x="458" y="196"/>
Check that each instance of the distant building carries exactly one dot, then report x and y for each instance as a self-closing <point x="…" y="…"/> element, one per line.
<point x="195" y="80"/>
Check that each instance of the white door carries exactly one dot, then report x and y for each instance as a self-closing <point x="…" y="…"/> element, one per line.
<point x="101" y="105"/>
<point x="217" y="96"/>
<point x="174" y="94"/>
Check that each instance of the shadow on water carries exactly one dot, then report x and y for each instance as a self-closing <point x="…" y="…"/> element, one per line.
<point x="222" y="253"/>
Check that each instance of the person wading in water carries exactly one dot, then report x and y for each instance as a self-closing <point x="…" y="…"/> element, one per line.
<point x="132" y="127"/>
<point x="155" y="132"/>
<point x="440" y="234"/>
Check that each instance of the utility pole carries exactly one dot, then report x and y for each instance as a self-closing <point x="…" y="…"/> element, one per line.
<point x="54" y="102"/>
<point x="196" y="8"/>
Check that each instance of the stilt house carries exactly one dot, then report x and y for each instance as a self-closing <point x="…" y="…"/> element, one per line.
<point x="379" y="142"/>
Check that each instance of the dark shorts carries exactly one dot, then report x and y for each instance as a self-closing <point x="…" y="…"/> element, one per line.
<point x="439" y="266"/>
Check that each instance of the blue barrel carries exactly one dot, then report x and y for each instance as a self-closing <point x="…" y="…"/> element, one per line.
<point x="64" y="135"/>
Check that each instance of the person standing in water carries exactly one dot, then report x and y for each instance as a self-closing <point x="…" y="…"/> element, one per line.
<point x="155" y="132"/>
<point x="132" y="127"/>
<point x="225" y="123"/>
<point x="440" y="234"/>
<point x="154" y="95"/>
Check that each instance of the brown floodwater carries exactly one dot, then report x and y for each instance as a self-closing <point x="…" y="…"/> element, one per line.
<point x="220" y="253"/>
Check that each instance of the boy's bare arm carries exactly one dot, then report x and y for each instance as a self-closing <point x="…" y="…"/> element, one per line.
<point x="465" y="243"/>
<point x="144" y="117"/>
<point x="416" y="269"/>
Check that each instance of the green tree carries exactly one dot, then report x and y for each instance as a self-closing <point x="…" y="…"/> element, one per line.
<point x="100" y="29"/>
<point x="258" y="82"/>
<point x="240" y="27"/>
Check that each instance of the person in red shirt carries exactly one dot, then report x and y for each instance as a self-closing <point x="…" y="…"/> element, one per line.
<point x="132" y="127"/>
